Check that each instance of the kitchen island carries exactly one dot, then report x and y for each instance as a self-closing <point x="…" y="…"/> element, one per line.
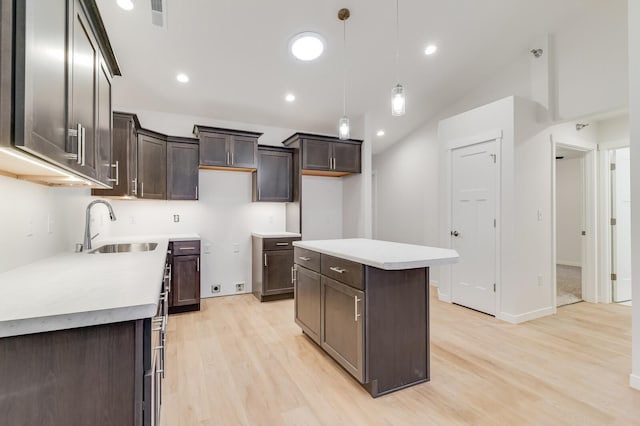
<point x="366" y="303"/>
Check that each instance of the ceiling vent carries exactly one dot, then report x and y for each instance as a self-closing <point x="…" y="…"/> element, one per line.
<point x="159" y="13"/>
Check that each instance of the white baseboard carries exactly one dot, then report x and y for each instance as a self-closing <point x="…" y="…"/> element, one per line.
<point x="443" y="297"/>
<point x="634" y="381"/>
<point x="569" y="263"/>
<point x="527" y="316"/>
<point x="435" y="283"/>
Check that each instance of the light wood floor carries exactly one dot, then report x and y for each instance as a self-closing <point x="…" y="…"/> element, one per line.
<point x="240" y="362"/>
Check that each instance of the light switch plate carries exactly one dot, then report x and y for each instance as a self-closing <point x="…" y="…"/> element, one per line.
<point x="176" y="218"/>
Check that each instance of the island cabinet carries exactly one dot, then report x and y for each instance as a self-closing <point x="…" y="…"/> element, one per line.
<point x="373" y="322"/>
<point x="326" y="156"/>
<point x="273" y="179"/>
<point x="227" y="149"/>
<point x="59" y="103"/>
<point x="272" y="259"/>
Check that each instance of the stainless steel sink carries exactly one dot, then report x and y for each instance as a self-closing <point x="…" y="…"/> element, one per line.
<point x="125" y="248"/>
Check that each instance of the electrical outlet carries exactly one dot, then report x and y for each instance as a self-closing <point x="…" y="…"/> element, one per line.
<point x="176" y="218"/>
<point x="539" y="280"/>
<point x="236" y="248"/>
<point x="239" y="287"/>
<point x="50" y="223"/>
<point x="29" y="227"/>
<point x="207" y="248"/>
<point x="215" y="288"/>
<point x="132" y="220"/>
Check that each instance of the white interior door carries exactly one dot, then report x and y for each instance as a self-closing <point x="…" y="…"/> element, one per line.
<point x="473" y="231"/>
<point x="622" y="228"/>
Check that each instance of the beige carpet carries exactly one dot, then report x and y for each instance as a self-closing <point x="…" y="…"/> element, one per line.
<point x="569" y="285"/>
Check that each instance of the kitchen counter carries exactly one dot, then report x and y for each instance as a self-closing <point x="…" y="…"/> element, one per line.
<point x="71" y="290"/>
<point x="282" y="234"/>
<point x="382" y="254"/>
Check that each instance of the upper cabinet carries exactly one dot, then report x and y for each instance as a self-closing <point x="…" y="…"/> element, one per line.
<point x="326" y="156"/>
<point x="152" y="166"/>
<point x="60" y="63"/>
<point x="273" y="180"/>
<point x="227" y="149"/>
<point x="182" y="168"/>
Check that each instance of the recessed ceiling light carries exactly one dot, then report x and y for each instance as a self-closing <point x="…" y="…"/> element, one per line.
<point x="125" y="4"/>
<point x="307" y="46"/>
<point x="182" y="78"/>
<point x="290" y="97"/>
<point x="431" y="49"/>
<point x="380" y="133"/>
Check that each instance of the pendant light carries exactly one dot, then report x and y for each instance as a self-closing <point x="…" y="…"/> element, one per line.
<point x="397" y="93"/>
<point x="343" y="123"/>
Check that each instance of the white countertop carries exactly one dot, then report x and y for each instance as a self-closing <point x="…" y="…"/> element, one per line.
<point x="382" y="254"/>
<point x="282" y="234"/>
<point x="79" y="289"/>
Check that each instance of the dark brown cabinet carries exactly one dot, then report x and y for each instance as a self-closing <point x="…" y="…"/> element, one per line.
<point x="185" y="276"/>
<point x="182" y="168"/>
<point x="152" y="165"/>
<point x="61" y="91"/>
<point x="273" y="179"/>
<point x="272" y="260"/>
<point x="307" y="285"/>
<point x="326" y="156"/>
<point x="226" y="148"/>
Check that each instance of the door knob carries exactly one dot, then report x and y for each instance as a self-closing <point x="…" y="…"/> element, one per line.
<point x="455" y="233"/>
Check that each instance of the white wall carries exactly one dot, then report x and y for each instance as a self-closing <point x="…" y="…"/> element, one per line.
<point x="569" y="206"/>
<point x="33" y="221"/>
<point x="634" y="118"/>
<point x="322" y="199"/>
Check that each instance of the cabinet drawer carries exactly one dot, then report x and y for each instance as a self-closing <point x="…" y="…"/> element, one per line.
<point x="342" y="270"/>
<point x="181" y="248"/>
<point x="307" y="258"/>
<point x="279" y="243"/>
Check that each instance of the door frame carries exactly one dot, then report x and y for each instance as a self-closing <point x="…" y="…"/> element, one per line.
<point x="590" y="202"/>
<point x="497" y="136"/>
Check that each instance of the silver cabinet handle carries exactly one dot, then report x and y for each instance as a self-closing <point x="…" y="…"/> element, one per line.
<point x="306" y="259"/>
<point x="338" y="269"/>
<point x="282" y="244"/>
<point x="117" y="179"/>
<point x="75" y="133"/>
<point x="265" y="259"/>
<point x="227" y="158"/>
<point x="187" y="248"/>
<point x="293" y="274"/>
<point x="84" y="145"/>
<point x="135" y="186"/>
<point x="198" y="264"/>
<point x="232" y="158"/>
<point x="196" y="192"/>
<point x="142" y="189"/>
<point x="356" y="315"/>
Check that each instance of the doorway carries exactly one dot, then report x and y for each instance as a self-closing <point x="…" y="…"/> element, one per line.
<point x="570" y="225"/>
<point x="620" y="225"/>
<point x="473" y="235"/>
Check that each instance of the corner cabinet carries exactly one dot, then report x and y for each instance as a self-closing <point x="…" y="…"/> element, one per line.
<point x="273" y="179"/>
<point x="62" y="94"/>
<point x="326" y="156"/>
<point x="228" y="149"/>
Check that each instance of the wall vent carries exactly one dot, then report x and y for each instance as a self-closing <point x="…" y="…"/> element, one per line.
<point x="159" y="13"/>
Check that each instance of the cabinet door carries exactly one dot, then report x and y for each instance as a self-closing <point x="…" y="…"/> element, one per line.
<point x="182" y="171"/>
<point x="316" y="155"/>
<point x="132" y="158"/>
<point x="243" y="151"/>
<point x="214" y="149"/>
<point x="41" y="78"/>
<point x="342" y="325"/>
<point x="274" y="176"/>
<point x="84" y="58"/>
<point x="152" y="167"/>
<point x="277" y="272"/>
<point x="307" y="301"/>
<point x="185" y="284"/>
<point x="346" y="157"/>
<point x="105" y="172"/>
<point x="120" y="149"/>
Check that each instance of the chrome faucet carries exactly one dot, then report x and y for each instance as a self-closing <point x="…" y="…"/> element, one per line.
<point x="87" y="225"/>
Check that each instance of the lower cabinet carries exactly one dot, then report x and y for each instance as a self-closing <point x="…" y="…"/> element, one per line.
<point x="184" y="295"/>
<point x="307" y="301"/>
<point x="272" y="276"/>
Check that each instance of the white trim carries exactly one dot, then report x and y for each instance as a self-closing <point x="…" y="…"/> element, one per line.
<point x="554" y="253"/>
<point x="634" y="381"/>
<point x="475" y="139"/>
<point x="527" y="316"/>
<point x="569" y="263"/>
<point x="434" y="283"/>
<point x="443" y="297"/>
<point x="604" y="225"/>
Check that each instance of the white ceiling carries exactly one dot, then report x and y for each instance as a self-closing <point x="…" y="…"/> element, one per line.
<point x="235" y="53"/>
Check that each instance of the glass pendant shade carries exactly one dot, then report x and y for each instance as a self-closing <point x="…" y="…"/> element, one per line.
<point x="397" y="100"/>
<point x="343" y="128"/>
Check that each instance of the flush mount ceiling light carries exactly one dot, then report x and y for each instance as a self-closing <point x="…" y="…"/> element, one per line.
<point x="343" y="123"/>
<point x="182" y="78"/>
<point x="307" y="46"/>
<point x="290" y="97"/>
<point x="380" y="133"/>
<point x="398" y="99"/>
<point x="431" y="49"/>
<point x="125" y="4"/>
